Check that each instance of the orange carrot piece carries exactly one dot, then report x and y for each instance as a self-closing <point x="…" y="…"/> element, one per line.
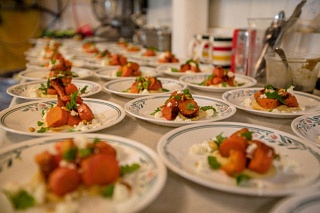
<point x="268" y="103"/>
<point x="262" y="158"/>
<point x="188" y="108"/>
<point x="73" y="120"/>
<point x="64" y="180"/>
<point x="234" y="142"/>
<point x="85" y="112"/>
<point x="105" y="148"/>
<point x="56" y="117"/>
<point x="70" y="88"/>
<point x="218" y="71"/>
<point x="99" y="169"/>
<point x="169" y="113"/>
<point x="236" y="163"/>
<point x="51" y="91"/>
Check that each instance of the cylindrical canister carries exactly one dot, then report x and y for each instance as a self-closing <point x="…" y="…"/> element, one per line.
<point x="240" y="45"/>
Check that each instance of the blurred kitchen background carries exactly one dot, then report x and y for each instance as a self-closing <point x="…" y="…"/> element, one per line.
<point x="168" y="24"/>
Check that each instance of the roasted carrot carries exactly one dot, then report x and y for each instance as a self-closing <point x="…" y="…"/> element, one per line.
<point x="56" y="117"/>
<point x="126" y="71"/>
<point x="73" y="120"/>
<point x="46" y="162"/>
<point x="135" y="66"/>
<point x="51" y="91"/>
<point x="234" y="142"/>
<point x="64" y="180"/>
<point x="290" y="100"/>
<point x="99" y="169"/>
<point x="262" y="158"/>
<point x="188" y="108"/>
<point x="218" y="71"/>
<point x="85" y="112"/>
<point x="104" y="148"/>
<point x="63" y="146"/>
<point x="236" y="163"/>
<point x="170" y="113"/>
<point x="70" y="88"/>
<point x="217" y="80"/>
<point x="268" y="103"/>
<point x="257" y="94"/>
<point x="134" y="89"/>
<point x="155" y="84"/>
<point x="184" y="67"/>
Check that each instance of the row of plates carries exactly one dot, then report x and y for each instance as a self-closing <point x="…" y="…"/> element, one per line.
<point x="305" y="126"/>
<point x="303" y="175"/>
<point x="172" y="148"/>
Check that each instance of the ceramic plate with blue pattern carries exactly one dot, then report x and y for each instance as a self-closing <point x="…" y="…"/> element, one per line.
<point x="121" y="86"/>
<point x="24" y="118"/>
<point x="144" y="108"/>
<point x="297" y="170"/>
<point x="243" y="98"/>
<point x="17" y="165"/>
<point x="308" y="127"/>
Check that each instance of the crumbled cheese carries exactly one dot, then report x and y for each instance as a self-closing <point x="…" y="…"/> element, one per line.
<point x="169" y="104"/>
<point x="120" y="192"/>
<point x="230" y="74"/>
<point x="251" y="149"/>
<point x="81" y="141"/>
<point x="200" y="149"/>
<point x="210" y="112"/>
<point x="73" y="113"/>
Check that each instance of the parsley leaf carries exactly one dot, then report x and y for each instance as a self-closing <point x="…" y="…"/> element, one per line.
<point x="213" y="162"/>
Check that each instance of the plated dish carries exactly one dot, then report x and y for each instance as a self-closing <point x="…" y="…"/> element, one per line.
<point x="242" y="98"/>
<point x="302" y="203"/>
<point x="144" y="107"/>
<point x="167" y="70"/>
<point x="31" y="91"/>
<point x="195" y="80"/>
<point x="22" y="118"/>
<point x="119" y="87"/>
<point x="307" y="127"/>
<point x="298" y="169"/>
<point x="109" y="73"/>
<point x="39" y="74"/>
<point x="146" y="186"/>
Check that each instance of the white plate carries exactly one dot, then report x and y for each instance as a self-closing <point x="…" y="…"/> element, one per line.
<point x="302" y="171"/>
<point x="307" y="127"/>
<point x="19" y="118"/>
<point x="300" y="203"/>
<point x="166" y="69"/>
<point x="143" y="107"/>
<point x="109" y="73"/>
<point x="195" y="80"/>
<point x="38" y="74"/>
<point x="118" y="87"/>
<point x="150" y="179"/>
<point x="237" y="97"/>
<point x="30" y="90"/>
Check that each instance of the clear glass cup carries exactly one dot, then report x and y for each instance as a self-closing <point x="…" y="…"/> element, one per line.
<point x="302" y="71"/>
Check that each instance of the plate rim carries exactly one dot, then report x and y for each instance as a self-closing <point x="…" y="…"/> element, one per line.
<point x="265" y="113"/>
<point x="207" y="183"/>
<point x="161" y="167"/>
<point x="290" y="203"/>
<point x="294" y="122"/>
<point x="173" y="123"/>
<point x="15" y="107"/>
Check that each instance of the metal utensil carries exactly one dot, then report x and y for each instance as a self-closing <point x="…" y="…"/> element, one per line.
<point x="289" y="23"/>
<point x="283" y="57"/>
<point x="270" y="36"/>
